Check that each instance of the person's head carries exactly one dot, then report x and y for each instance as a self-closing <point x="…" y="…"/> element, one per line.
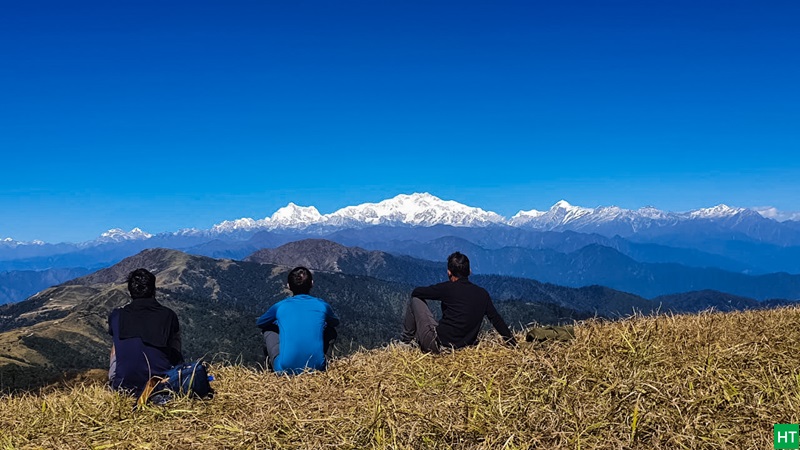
<point x="142" y="284"/>
<point x="300" y="281"/>
<point x="458" y="265"/>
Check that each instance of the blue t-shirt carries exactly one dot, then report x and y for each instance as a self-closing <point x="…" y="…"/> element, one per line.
<point x="301" y="321"/>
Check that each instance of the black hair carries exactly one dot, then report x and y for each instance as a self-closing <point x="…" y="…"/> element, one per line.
<point x="142" y="284"/>
<point x="458" y="265"/>
<point x="300" y="280"/>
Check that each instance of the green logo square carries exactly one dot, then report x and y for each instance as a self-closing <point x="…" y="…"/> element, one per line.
<point x="786" y="435"/>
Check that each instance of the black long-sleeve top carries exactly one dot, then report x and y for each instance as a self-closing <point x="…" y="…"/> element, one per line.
<point x="463" y="306"/>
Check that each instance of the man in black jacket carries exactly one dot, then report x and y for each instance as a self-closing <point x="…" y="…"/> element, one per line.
<point x="463" y="307"/>
<point x="146" y="336"/>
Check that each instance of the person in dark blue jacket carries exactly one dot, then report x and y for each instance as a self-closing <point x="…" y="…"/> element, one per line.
<point x="299" y="330"/>
<point x="146" y="336"/>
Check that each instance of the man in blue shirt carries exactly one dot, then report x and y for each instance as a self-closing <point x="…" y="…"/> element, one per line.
<point x="299" y="330"/>
<point x="146" y="336"/>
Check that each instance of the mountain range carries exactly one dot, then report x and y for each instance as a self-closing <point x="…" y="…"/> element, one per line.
<point x="647" y="251"/>
<point x="425" y="210"/>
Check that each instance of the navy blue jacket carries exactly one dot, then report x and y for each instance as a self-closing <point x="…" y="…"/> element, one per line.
<point x="142" y="352"/>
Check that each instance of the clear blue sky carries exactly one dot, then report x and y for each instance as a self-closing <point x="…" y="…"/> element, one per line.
<point x="166" y="115"/>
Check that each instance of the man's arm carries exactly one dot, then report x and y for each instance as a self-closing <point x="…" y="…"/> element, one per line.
<point x="174" y="344"/>
<point x="268" y="318"/>
<point x="433" y="292"/>
<point x="112" y="365"/>
<point x="330" y="317"/>
<point x="499" y="324"/>
<point x="110" y="329"/>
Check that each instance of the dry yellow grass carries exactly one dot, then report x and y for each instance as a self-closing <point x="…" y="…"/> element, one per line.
<point x="706" y="381"/>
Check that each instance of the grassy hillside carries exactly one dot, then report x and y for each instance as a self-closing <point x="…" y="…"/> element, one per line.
<point x="64" y="328"/>
<point x="706" y="381"/>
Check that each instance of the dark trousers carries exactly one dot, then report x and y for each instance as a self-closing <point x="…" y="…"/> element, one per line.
<point x="272" y="344"/>
<point x="419" y="323"/>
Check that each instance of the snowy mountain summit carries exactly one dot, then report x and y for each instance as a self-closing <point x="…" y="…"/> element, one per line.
<point x="424" y="210"/>
<point x="559" y="214"/>
<point x="293" y="216"/>
<point x="120" y="235"/>
<point x="613" y="220"/>
<point x="717" y="212"/>
<point x="419" y="209"/>
<point x="290" y="216"/>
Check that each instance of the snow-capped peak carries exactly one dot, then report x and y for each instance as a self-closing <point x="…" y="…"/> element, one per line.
<point x="119" y="235"/>
<point x="716" y="212"/>
<point x="189" y="232"/>
<point x="245" y="223"/>
<point x="651" y="212"/>
<point x="523" y="217"/>
<point x="418" y="209"/>
<point x="424" y="209"/>
<point x="289" y="216"/>
<point x="15" y="243"/>
<point x="293" y="215"/>
<point x="530" y="213"/>
<point x="565" y="212"/>
<point x="561" y="204"/>
<point x="565" y="216"/>
<point x="559" y="214"/>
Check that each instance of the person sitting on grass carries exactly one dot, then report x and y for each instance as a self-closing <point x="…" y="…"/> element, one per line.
<point x="146" y="336"/>
<point x="463" y="307"/>
<point x="298" y="331"/>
